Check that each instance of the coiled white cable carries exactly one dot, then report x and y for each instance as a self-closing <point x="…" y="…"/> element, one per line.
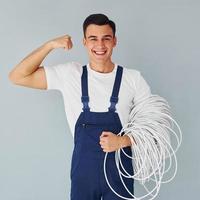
<point x="150" y="129"/>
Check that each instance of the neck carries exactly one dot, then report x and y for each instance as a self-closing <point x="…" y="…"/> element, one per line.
<point x="105" y="67"/>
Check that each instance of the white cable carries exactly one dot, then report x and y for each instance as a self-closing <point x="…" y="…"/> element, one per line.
<point x="150" y="129"/>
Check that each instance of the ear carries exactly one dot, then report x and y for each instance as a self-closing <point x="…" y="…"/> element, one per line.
<point x="115" y="41"/>
<point x="84" y="41"/>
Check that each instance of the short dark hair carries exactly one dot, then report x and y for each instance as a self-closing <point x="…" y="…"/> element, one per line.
<point x="98" y="19"/>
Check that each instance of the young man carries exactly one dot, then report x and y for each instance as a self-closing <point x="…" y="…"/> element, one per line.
<point x="98" y="98"/>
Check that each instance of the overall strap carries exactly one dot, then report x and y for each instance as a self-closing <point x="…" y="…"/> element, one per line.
<point x="84" y="87"/>
<point x="114" y="98"/>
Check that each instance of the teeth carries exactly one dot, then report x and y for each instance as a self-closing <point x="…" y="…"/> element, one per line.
<point x="100" y="52"/>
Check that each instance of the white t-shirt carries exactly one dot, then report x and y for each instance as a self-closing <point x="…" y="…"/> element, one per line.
<point x="67" y="79"/>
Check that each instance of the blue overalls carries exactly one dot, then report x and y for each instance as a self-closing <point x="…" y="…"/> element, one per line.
<point x="87" y="176"/>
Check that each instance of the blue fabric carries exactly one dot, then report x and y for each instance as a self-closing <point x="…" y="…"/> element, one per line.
<point x="87" y="175"/>
<point x="84" y="83"/>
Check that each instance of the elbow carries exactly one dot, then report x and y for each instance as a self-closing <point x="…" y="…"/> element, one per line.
<point x="12" y="77"/>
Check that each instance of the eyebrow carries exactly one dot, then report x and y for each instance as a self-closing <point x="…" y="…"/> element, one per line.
<point x="93" y="36"/>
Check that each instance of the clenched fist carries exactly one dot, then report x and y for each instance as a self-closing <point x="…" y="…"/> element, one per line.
<point x="61" y="42"/>
<point x="109" y="141"/>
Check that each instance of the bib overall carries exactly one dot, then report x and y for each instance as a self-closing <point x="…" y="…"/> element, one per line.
<point x="87" y="174"/>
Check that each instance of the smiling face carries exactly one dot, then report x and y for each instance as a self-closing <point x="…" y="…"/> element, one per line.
<point x="99" y="41"/>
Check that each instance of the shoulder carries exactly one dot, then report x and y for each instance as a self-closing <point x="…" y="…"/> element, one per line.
<point x="132" y="75"/>
<point x="135" y="77"/>
<point x="63" y="68"/>
<point x="142" y="88"/>
<point x="71" y="65"/>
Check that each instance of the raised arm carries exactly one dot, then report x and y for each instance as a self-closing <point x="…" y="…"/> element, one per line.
<point x="28" y="72"/>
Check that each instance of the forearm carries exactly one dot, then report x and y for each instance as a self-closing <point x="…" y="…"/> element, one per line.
<point x="31" y="62"/>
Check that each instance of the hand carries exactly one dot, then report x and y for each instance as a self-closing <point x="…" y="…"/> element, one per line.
<point x="61" y="42"/>
<point x="109" y="141"/>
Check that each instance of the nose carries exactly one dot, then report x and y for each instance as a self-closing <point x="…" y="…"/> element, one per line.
<point x="100" y="43"/>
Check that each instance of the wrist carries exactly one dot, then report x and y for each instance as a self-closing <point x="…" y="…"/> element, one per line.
<point x="124" y="141"/>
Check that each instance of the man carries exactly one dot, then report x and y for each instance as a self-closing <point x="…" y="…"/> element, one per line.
<point x="87" y="91"/>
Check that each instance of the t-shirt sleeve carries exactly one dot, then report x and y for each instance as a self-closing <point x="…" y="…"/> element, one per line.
<point x="54" y="77"/>
<point x="142" y="89"/>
